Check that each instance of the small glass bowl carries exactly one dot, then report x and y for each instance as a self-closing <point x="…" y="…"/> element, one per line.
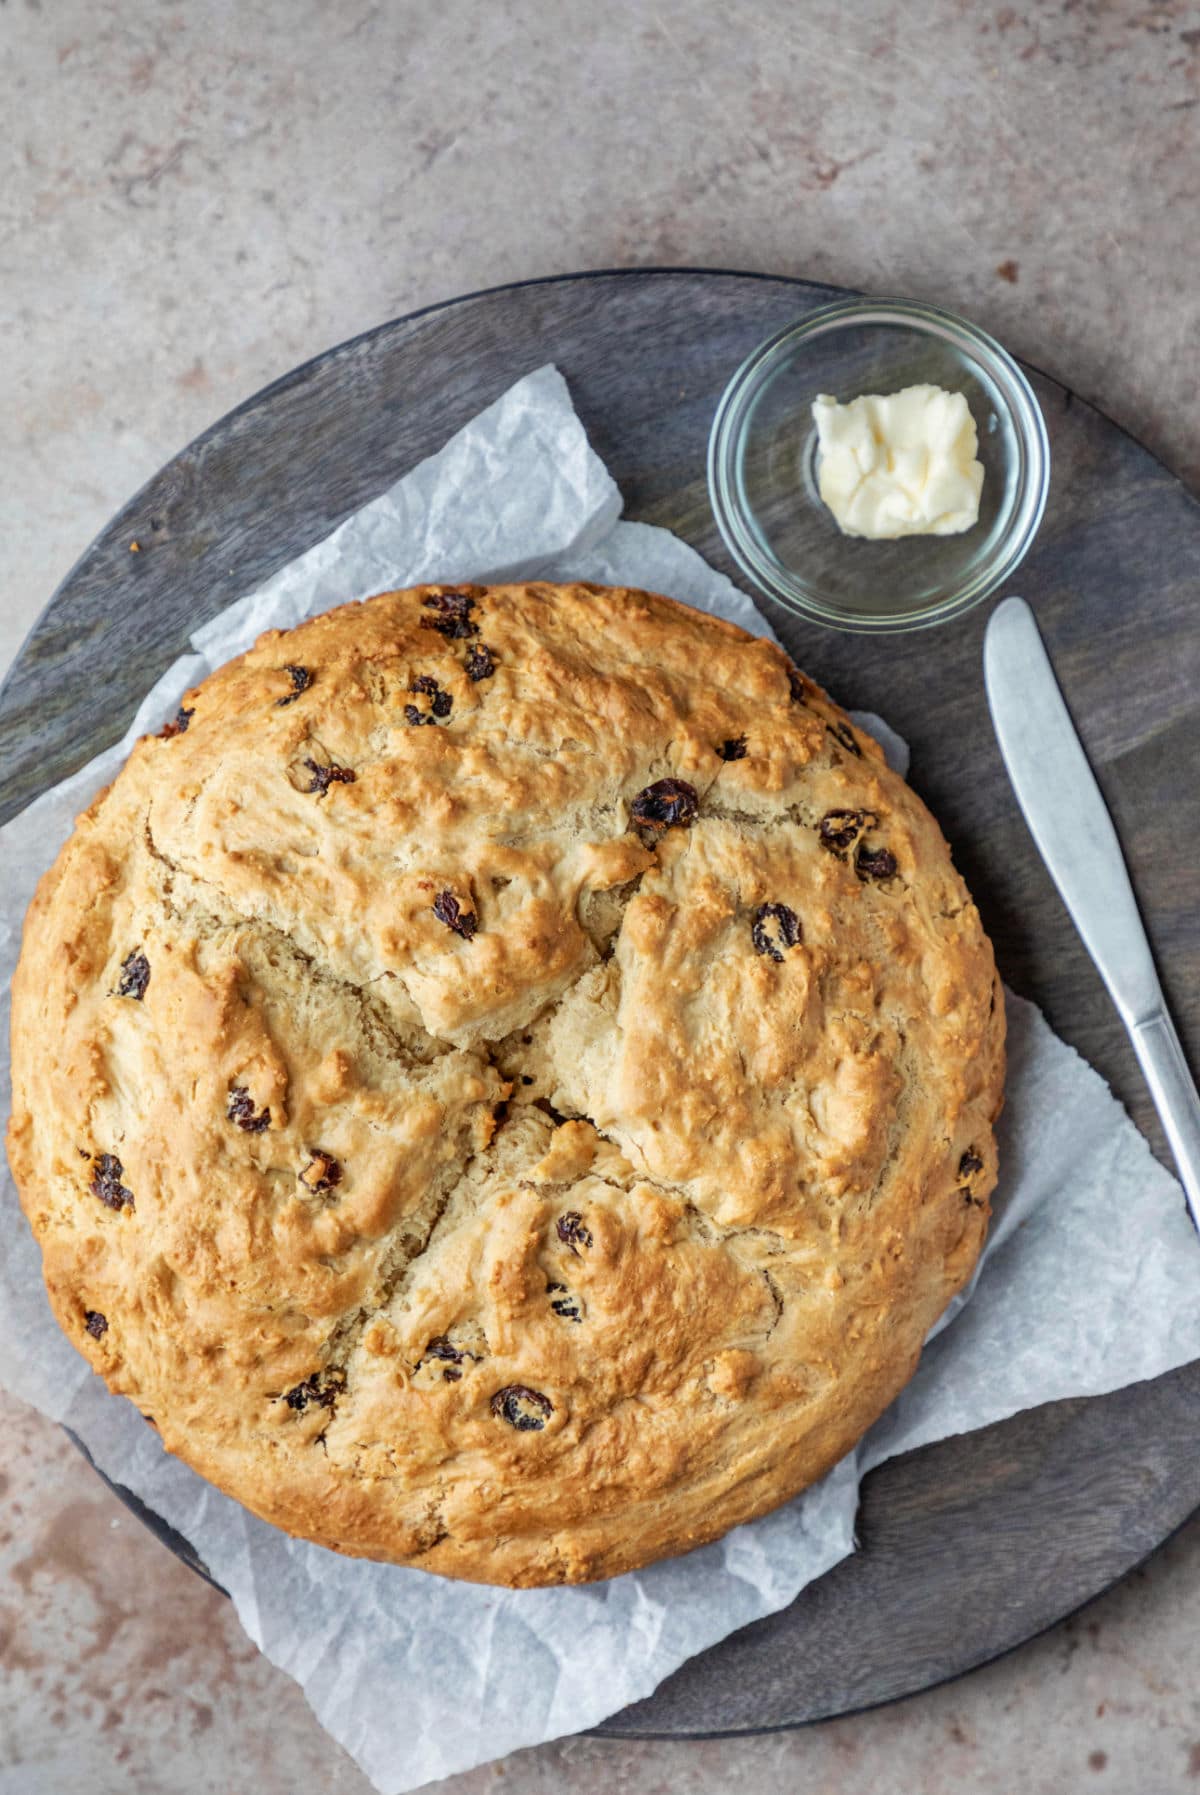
<point x="762" y="466"/>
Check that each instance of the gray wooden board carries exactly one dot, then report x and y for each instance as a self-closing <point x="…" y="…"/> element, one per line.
<point x="972" y="1545"/>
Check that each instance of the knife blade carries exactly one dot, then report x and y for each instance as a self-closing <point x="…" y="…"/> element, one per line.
<point x="1070" y="824"/>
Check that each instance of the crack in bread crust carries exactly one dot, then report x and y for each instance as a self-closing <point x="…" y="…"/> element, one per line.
<point x="639" y="1108"/>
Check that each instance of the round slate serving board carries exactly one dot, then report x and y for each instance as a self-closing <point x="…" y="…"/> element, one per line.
<point x="972" y="1545"/>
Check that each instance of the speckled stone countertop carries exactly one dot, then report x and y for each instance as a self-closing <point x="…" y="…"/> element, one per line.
<point x="199" y="196"/>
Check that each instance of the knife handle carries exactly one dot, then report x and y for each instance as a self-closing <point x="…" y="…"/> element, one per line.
<point x="1175" y="1097"/>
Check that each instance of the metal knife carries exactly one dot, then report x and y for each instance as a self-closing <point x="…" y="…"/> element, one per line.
<point x="1069" y="821"/>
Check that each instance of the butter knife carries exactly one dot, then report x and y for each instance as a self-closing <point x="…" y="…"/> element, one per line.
<point x="1074" y="833"/>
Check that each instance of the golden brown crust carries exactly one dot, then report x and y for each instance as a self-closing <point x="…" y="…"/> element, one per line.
<point x="305" y="1000"/>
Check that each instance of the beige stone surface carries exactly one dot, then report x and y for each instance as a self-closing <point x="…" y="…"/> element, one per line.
<point x="198" y="196"/>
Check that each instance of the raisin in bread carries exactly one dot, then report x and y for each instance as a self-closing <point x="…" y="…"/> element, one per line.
<point x="505" y="1080"/>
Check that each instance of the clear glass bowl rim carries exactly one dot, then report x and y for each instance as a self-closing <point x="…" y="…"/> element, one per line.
<point x="1029" y="425"/>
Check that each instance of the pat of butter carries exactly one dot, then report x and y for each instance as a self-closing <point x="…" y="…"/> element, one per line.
<point x="899" y="464"/>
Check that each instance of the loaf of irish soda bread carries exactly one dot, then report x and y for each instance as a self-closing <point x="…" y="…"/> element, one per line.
<point x="505" y="1080"/>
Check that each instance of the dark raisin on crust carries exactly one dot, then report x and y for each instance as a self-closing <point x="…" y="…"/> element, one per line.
<point x="442" y="1348"/>
<point x="95" y="1323"/>
<point x="875" y="863"/>
<point x="453" y="618"/>
<point x="734" y="748"/>
<point x="845" y="737"/>
<point x="178" y="725"/>
<point x="525" y="1409"/>
<point x="796" y="685"/>
<point x="787" y="925"/>
<point x="838" y="830"/>
<point x="322" y="1172"/>
<point x="107" y="1173"/>
<point x="240" y="1109"/>
<point x="667" y="804"/>
<point x="320" y="1389"/>
<point x="564" y="1304"/>
<point x="440" y="703"/>
<point x="969" y="1168"/>
<point x="448" y="910"/>
<point x="135" y="975"/>
<point x="571" y="1231"/>
<point x="324" y="777"/>
<point x="301" y="679"/>
<point x="481" y="662"/>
